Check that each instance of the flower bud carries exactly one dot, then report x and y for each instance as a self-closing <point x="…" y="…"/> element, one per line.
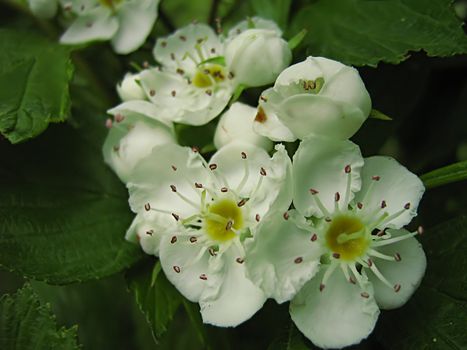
<point x="131" y="138"/>
<point x="317" y="96"/>
<point x="44" y="9"/>
<point x="129" y="89"/>
<point x="254" y="45"/>
<point x="237" y="125"/>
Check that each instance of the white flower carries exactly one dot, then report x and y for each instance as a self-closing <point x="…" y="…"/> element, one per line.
<point x="134" y="131"/>
<point x="43" y="8"/>
<point x="127" y="23"/>
<point x="317" y="96"/>
<point x="130" y="88"/>
<point x="193" y="86"/>
<point x="236" y="124"/>
<point x="367" y="261"/>
<point x="256" y="55"/>
<point x="205" y="213"/>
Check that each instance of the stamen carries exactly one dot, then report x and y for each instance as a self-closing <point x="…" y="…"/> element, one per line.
<point x="365" y="295"/>
<point x="213" y="166"/>
<point x="258" y="186"/>
<point x="359" y="205"/>
<point x="348" y="171"/>
<point x="184" y="198"/>
<point x="314" y="237"/>
<point x="377" y="254"/>
<point x="198" y="185"/>
<point x="397" y="257"/>
<point x="384" y="242"/>
<point x="318" y="202"/>
<point x="397" y="287"/>
<point x="173" y="240"/>
<point x="380" y="276"/>
<point x="150" y="232"/>
<point x="246" y="173"/>
<point x="328" y="273"/>
<point x="298" y="260"/>
<point x="174" y="168"/>
<point x="240" y="260"/>
<point x="242" y="202"/>
<point x="229" y="225"/>
<point x="370" y="187"/>
<point x="257" y="217"/>
<point x="193" y="239"/>
<point x="175" y="216"/>
<point x="176" y="268"/>
<point x="286" y="215"/>
<point x="203" y="277"/>
<point x="357" y="276"/>
<point x="337" y="197"/>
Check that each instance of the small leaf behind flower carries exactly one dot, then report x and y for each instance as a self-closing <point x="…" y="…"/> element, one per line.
<point x="445" y="175"/>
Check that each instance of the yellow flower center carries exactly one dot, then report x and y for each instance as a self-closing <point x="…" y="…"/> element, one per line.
<point x="208" y="75"/>
<point x="110" y="3"/>
<point x="347" y="237"/>
<point x="223" y="217"/>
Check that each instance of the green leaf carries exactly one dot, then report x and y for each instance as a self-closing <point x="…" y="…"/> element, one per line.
<point x="63" y="213"/>
<point x="435" y="317"/>
<point x="27" y="324"/>
<point x="276" y="10"/>
<point x="448" y="174"/>
<point x="290" y="339"/>
<point x="34" y="77"/>
<point x="193" y="313"/>
<point x="375" y="114"/>
<point x="156" y="296"/>
<point x="297" y="39"/>
<point x="366" y="32"/>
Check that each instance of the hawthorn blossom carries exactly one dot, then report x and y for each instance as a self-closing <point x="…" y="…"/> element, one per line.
<point x="130" y="89"/>
<point x="201" y="214"/>
<point x="317" y="96"/>
<point x="126" y="23"/>
<point x="44" y="8"/>
<point x="345" y="255"/>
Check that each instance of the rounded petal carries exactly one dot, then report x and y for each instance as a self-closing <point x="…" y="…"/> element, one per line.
<point x="181" y="101"/>
<point x="136" y="20"/>
<point x="98" y="24"/>
<point x="165" y="181"/>
<point x="129" y="89"/>
<point x="43" y="8"/>
<point x="148" y="228"/>
<point x="187" y="47"/>
<point x="282" y="257"/>
<point x="408" y="272"/>
<point x="183" y="263"/>
<point x="323" y="167"/>
<point x="266" y="121"/>
<point x="143" y="108"/>
<point x="131" y="140"/>
<point x="237" y="124"/>
<point x="400" y="189"/>
<point x="317" y="114"/>
<point x="243" y="50"/>
<point x="340" y="315"/>
<point x="231" y="298"/>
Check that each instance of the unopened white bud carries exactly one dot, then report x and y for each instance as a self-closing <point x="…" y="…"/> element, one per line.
<point x="237" y="125"/>
<point x="129" y="89"/>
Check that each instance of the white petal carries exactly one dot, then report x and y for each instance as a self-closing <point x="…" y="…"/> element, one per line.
<point x="43" y="8"/>
<point x="237" y="124"/>
<point x="183" y="263"/>
<point x="187" y="47"/>
<point x="132" y="139"/>
<point x="144" y="108"/>
<point x="183" y="102"/>
<point x="397" y="186"/>
<point x="408" y="272"/>
<point x="320" y="164"/>
<point x="148" y="228"/>
<point x="266" y="121"/>
<point x="282" y="257"/>
<point x="306" y="114"/>
<point x="151" y="180"/>
<point x="136" y="20"/>
<point x="98" y="24"/>
<point x="231" y="297"/>
<point x="336" y="317"/>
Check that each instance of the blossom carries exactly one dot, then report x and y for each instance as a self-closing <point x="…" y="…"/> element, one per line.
<point x="237" y="124"/>
<point x="126" y="23"/>
<point x="130" y="89"/>
<point x="353" y="257"/>
<point x="317" y="96"/>
<point x="198" y="73"/>
<point x="43" y="8"/>
<point x="256" y="54"/>
<point x="134" y="131"/>
<point x="203" y="215"/>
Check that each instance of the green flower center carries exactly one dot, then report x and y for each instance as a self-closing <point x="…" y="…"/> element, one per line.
<point x="347" y="237"/>
<point x="223" y="219"/>
<point x="208" y="75"/>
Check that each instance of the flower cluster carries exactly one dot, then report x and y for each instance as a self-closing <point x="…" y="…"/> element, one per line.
<point x="323" y="229"/>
